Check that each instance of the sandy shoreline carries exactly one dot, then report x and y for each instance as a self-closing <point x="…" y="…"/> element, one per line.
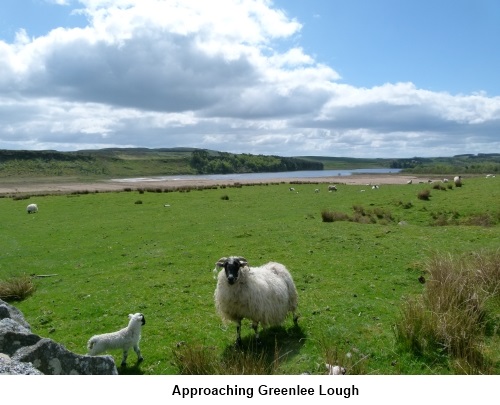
<point x="121" y="185"/>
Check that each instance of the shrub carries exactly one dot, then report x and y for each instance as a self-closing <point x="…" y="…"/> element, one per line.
<point x="358" y="209"/>
<point x="16" y="288"/>
<point x="480" y="220"/>
<point x="332" y="216"/>
<point x="424" y="195"/>
<point x="450" y="318"/>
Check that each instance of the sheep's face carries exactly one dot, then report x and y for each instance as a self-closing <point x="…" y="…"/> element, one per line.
<point x="138" y="317"/>
<point x="232" y="268"/>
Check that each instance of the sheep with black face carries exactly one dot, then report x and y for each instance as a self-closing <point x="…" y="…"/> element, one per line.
<point x="264" y="294"/>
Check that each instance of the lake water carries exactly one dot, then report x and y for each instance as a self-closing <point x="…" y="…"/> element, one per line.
<point x="262" y="176"/>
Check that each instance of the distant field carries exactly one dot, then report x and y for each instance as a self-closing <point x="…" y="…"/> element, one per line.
<point x="111" y="254"/>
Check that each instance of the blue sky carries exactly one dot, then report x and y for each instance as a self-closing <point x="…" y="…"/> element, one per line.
<point x="357" y="78"/>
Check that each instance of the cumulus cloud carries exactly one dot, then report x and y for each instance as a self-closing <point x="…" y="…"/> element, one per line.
<point x="157" y="73"/>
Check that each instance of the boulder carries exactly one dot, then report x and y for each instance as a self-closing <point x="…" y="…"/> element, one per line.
<point x="13" y="367"/>
<point x="53" y="358"/>
<point x="23" y="352"/>
<point x="9" y="311"/>
<point x="14" y="336"/>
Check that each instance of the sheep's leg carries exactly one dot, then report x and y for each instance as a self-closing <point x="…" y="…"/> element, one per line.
<point x="124" y="358"/>
<point x="238" y="332"/>
<point x="255" y="326"/>
<point x="295" y="319"/>
<point x="138" y="352"/>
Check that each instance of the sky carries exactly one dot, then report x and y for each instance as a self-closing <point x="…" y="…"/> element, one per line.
<point x="344" y="78"/>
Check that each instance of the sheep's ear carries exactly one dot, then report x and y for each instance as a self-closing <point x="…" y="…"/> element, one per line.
<point x="243" y="261"/>
<point x="130" y="316"/>
<point x="221" y="262"/>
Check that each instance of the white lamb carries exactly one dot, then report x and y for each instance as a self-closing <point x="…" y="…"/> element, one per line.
<point x="262" y="294"/>
<point x="458" y="181"/>
<point x="32" y="208"/>
<point x="124" y="339"/>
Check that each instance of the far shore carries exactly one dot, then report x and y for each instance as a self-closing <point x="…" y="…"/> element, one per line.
<point x="63" y="187"/>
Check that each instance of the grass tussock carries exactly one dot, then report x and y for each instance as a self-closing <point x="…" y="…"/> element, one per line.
<point x="451" y="320"/>
<point x="332" y="216"/>
<point x="485" y="219"/>
<point x="204" y="360"/>
<point x="360" y="215"/>
<point x="16" y="288"/>
<point x="424" y="195"/>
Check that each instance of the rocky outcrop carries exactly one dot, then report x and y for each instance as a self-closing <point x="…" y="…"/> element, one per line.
<point x="13" y="367"/>
<point x="23" y="352"/>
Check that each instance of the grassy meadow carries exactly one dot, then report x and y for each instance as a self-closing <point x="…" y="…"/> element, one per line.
<point x="106" y="255"/>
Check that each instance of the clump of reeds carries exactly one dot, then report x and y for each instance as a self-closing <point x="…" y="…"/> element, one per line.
<point x="204" y="360"/>
<point x="450" y="318"/>
<point x="16" y="288"/>
<point x="424" y="195"/>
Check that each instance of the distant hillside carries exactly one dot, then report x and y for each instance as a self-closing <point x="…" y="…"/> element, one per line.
<point x="459" y="164"/>
<point x="339" y="163"/>
<point x="137" y="162"/>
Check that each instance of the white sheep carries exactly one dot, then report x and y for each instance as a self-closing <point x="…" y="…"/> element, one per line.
<point x="458" y="181"/>
<point x="262" y="294"/>
<point x="124" y="339"/>
<point x="32" y="208"/>
<point x="332" y="187"/>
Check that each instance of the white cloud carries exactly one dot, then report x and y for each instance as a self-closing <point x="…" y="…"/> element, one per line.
<point x="185" y="73"/>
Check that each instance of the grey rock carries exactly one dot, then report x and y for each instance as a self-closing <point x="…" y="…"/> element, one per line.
<point x="54" y="359"/>
<point x="14" y="336"/>
<point x="13" y="367"/>
<point x="23" y="352"/>
<point x="9" y="311"/>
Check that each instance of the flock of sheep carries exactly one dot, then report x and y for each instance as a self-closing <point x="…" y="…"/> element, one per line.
<point x="265" y="295"/>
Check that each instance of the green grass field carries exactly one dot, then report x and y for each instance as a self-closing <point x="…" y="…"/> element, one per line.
<point x="111" y="254"/>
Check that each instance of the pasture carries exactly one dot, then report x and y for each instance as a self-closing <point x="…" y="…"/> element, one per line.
<point x="111" y="254"/>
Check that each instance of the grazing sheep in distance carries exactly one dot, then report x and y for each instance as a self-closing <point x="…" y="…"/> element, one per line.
<point x="124" y="339"/>
<point x="409" y="181"/>
<point x="32" y="208"/>
<point x="332" y="188"/>
<point x="264" y="294"/>
<point x="458" y="181"/>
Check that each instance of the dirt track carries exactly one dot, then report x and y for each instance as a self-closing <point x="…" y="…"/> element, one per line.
<point x="115" y="185"/>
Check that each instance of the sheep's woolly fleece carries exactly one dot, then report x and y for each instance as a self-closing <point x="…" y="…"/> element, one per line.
<point x="263" y="294"/>
<point x="124" y="339"/>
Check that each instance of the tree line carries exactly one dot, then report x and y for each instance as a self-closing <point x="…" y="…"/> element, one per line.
<point x="223" y="162"/>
